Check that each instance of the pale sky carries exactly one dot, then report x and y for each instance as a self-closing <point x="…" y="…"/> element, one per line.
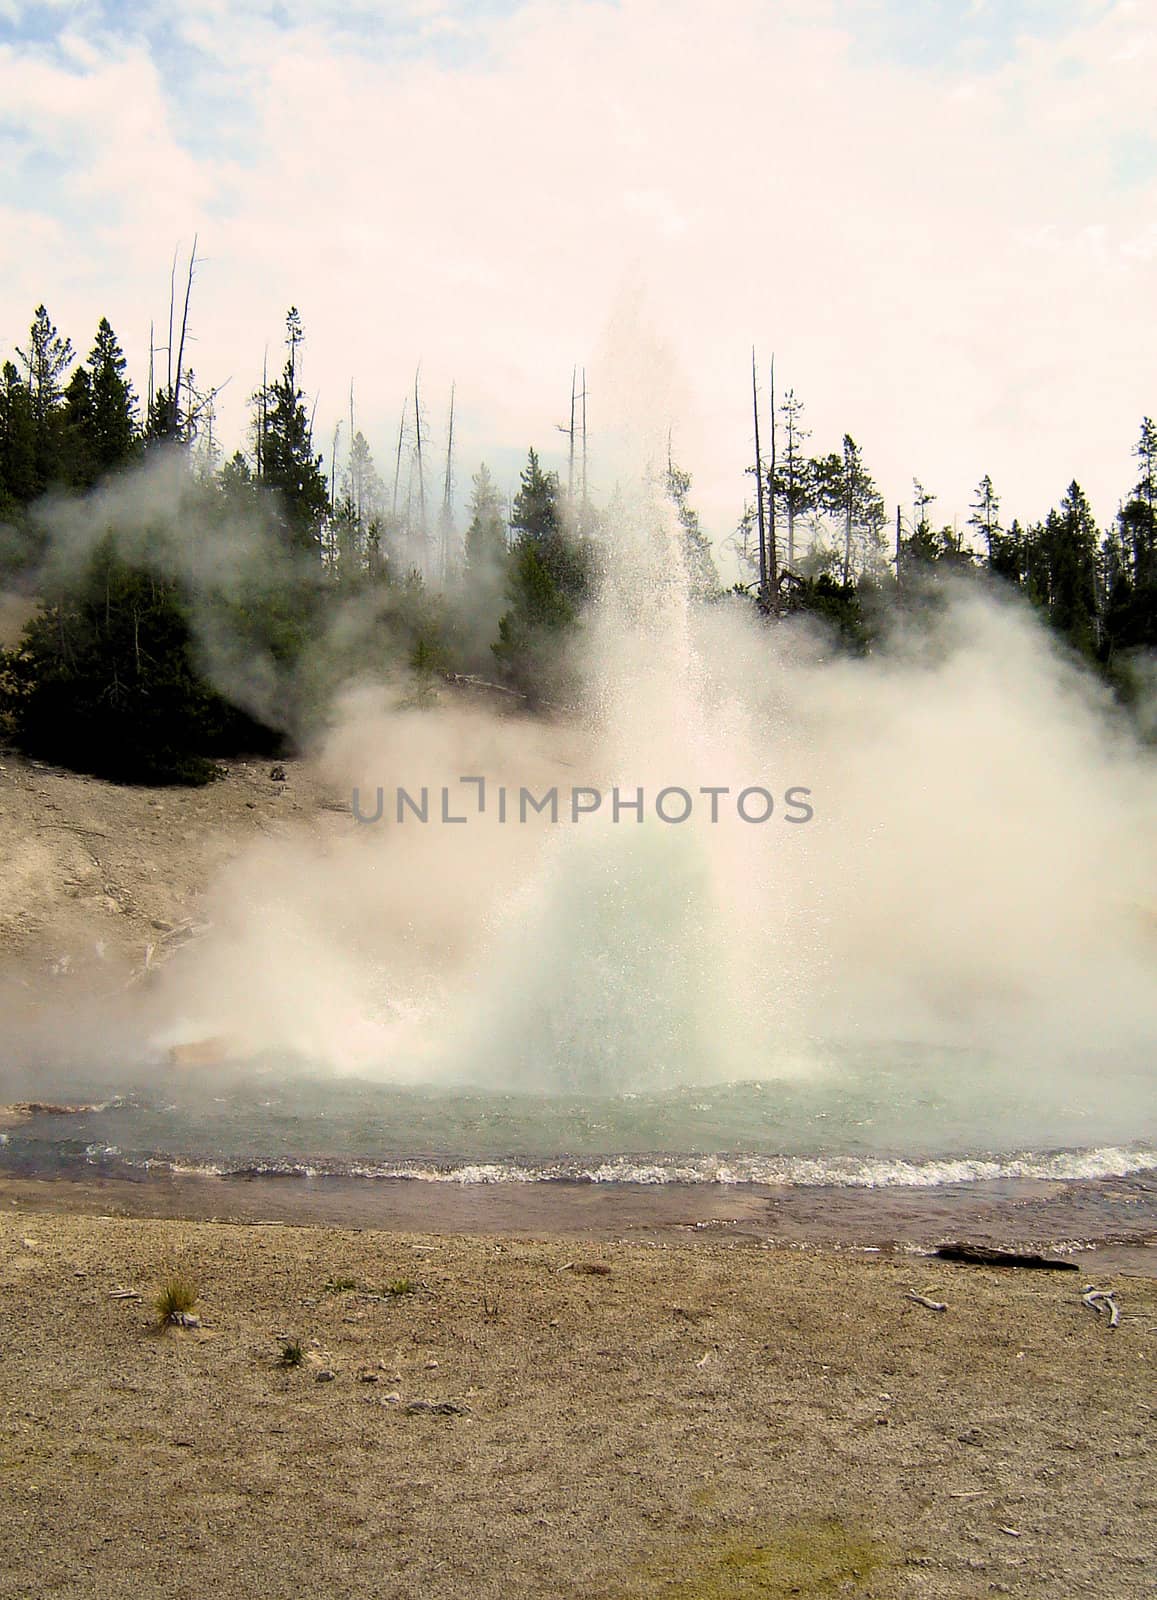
<point x="941" y="216"/>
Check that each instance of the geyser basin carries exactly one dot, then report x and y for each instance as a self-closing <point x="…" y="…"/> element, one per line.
<point x="946" y="975"/>
<point x="890" y="1115"/>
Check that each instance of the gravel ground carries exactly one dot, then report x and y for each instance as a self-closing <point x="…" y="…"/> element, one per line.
<point x="625" y="1421"/>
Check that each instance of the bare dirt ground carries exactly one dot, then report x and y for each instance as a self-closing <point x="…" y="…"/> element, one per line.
<point x="689" y="1421"/>
<point x="698" y="1422"/>
<point x="95" y="876"/>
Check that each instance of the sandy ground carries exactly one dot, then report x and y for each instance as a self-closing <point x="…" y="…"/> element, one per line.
<point x="696" y="1421"/>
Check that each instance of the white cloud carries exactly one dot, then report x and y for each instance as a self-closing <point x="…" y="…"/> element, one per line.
<point x="947" y="270"/>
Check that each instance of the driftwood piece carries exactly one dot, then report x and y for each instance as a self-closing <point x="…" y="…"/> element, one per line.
<point x="974" y="1255"/>
<point x="1099" y="1300"/>
<point x="923" y="1300"/>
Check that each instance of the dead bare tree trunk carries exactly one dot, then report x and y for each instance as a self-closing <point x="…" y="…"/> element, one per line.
<point x="398" y="458"/>
<point x="172" y="304"/>
<point x="355" y="479"/>
<point x="772" y="553"/>
<point x="568" y="430"/>
<point x="176" y="414"/>
<point x="584" y="424"/>
<point x="421" y="474"/>
<point x="759" y="487"/>
<point x="570" y="438"/>
<point x="448" y="491"/>
<point x="848" y="490"/>
<point x="263" y="414"/>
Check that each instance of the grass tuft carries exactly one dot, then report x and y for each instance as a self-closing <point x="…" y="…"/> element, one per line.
<point x="175" y="1301"/>
<point x="400" y="1286"/>
<point x="292" y="1353"/>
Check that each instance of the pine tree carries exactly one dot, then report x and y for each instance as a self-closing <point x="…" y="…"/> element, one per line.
<point x="236" y="476"/>
<point x="114" y="405"/>
<point x="106" y="681"/>
<point x="79" y="466"/>
<point x="792" y="485"/>
<point x="745" y="546"/>
<point x="1008" y="556"/>
<point x="365" y="486"/>
<point x="1129" y="565"/>
<point x="46" y="361"/>
<point x="922" y="545"/>
<point x="161" y="422"/>
<point x="1146" y="452"/>
<point x="287" y="463"/>
<point x="535" y="513"/>
<point x="18" y="475"/>
<point x="356" y="519"/>
<point x="699" y="573"/>
<point x="100" y="411"/>
<point x="1140" y="513"/>
<point x="549" y="578"/>
<point x="861" y="510"/>
<point x="985" y="516"/>
<point x="486" y="548"/>
<point x="1061" y="560"/>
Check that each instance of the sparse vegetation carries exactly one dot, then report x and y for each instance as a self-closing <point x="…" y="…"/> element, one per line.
<point x="396" y="1287"/>
<point x="292" y="1354"/>
<point x="812" y="1558"/>
<point x="174" y="1304"/>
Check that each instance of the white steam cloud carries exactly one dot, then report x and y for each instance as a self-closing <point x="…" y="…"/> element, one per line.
<point x="979" y="870"/>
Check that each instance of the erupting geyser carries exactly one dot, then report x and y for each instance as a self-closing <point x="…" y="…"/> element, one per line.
<point x="909" y="968"/>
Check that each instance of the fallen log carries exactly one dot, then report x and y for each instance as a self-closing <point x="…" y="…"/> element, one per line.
<point x="1099" y="1300"/>
<point x="976" y="1255"/>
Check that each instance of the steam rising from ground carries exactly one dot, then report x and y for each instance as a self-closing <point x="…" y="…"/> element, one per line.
<point x="979" y="869"/>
